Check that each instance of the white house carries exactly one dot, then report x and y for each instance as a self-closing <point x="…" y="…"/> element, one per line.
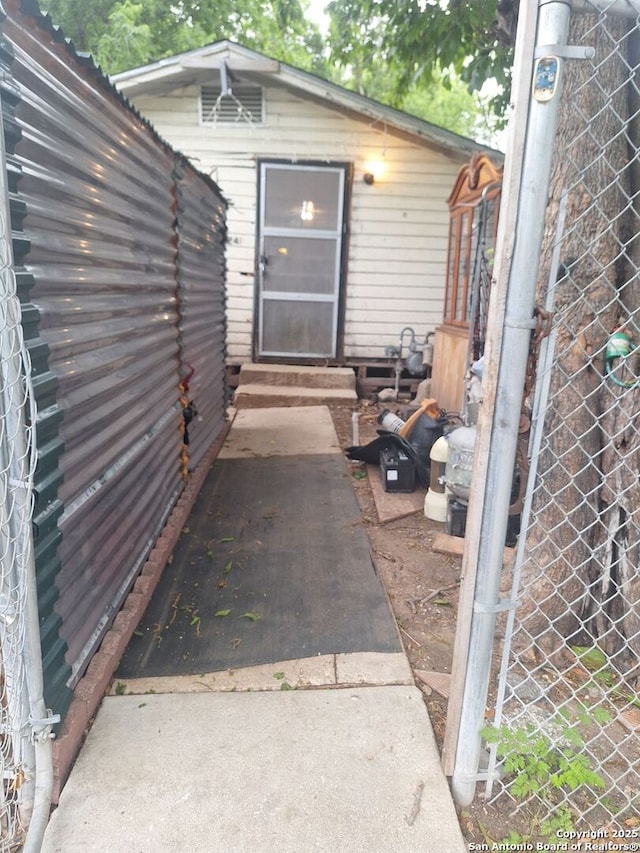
<point x="338" y="219"/>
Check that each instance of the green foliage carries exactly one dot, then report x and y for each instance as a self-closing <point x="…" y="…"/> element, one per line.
<point x="414" y="39"/>
<point x="254" y="617"/>
<point x="447" y="102"/>
<point x="415" y="56"/>
<point x="122" y="34"/>
<point x="558" y="824"/>
<point x="127" y="41"/>
<point x="526" y="756"/>
<point x="83" y="25"/>
<point x="540" y="767"/>
<point x="594" y="660"/>
<point x="514" y="838"/>
<point x="591" y="657"/>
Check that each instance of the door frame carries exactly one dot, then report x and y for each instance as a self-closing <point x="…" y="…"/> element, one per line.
<point x="344" y="254"/>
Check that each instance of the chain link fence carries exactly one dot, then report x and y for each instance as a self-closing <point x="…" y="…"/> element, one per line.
<point x="564" y="741"/>
<point x="14" y="707"/>
<point x="25" y="753"/>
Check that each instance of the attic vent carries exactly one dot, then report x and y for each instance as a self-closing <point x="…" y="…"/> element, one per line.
<point x="240" y="104"/>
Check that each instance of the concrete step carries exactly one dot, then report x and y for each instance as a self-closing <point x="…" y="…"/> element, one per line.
<point x="268" y="385"/>
<point x="266" y="396"/>
<point x="296" y="375"/>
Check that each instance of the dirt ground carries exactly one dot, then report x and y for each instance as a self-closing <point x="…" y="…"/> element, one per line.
<point x="423" y="587"/>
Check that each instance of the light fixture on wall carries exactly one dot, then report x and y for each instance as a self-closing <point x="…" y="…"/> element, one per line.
<point x="374" y="171"/>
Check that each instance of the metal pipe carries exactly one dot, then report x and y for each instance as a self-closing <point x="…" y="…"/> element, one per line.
<point x="541" y="395"/>
<point x="516" y="138"/>
<point x="553" y="25"/>
<point x="40" y="730"/>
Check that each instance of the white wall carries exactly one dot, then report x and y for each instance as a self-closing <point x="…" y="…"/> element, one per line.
<point x="398" y="226"/>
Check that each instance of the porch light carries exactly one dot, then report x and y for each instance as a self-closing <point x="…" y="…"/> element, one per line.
<point x="374" y="170"/>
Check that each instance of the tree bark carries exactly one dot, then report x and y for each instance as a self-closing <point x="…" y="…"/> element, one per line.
<point x="582" y="543"/>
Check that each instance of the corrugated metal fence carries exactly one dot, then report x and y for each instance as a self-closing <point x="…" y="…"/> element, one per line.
<point x="201" y="292"/>
<point x="119" y="260"/>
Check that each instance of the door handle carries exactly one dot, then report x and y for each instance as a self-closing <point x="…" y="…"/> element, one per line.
<point x="262" y="263"/>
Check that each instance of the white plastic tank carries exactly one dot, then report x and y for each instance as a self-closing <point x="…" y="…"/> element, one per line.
<point x="435" y="501"/>
<point x="460" y="461"/>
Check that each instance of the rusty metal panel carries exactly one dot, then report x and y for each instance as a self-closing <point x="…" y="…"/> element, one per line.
<point x="201" y="227"/>
<point x="97" y="185"/>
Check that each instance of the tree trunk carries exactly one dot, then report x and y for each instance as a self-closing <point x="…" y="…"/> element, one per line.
<point x="582" y="543"/>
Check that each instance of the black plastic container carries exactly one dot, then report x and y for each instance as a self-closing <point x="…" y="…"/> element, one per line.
<point x="457" y="522"/>
<point x="397" y="471"/>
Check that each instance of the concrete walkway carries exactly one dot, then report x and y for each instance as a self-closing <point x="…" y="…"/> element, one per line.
<point x="333" y="753"/>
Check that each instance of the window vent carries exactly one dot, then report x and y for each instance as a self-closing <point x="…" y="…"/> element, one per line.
<point x="241" y="104"/>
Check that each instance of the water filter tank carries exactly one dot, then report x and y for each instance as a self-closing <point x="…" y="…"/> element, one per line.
<point x="435" y="501"/>
<point x="460" y="461"/>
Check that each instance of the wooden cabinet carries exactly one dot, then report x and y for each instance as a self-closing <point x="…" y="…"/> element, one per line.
<point x="473" y="220"/>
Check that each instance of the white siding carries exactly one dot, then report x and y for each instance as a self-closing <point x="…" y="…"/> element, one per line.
<point x="398" y="227"/>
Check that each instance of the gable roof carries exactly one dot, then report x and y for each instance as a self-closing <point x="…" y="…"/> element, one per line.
<point x="226" y="60"/>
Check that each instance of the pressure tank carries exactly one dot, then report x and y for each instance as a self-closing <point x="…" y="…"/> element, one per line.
<point x="460" y="461"/>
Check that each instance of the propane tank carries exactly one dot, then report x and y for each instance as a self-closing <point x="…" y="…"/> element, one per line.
<point x="460" y="461"/>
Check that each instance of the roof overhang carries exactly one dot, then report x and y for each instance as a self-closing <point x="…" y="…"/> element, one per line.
<point x="226" y="62"/>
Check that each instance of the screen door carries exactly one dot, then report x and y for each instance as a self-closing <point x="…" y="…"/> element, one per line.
<point x="299" y="264"/>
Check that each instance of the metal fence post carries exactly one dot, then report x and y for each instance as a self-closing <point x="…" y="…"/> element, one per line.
<point x="504" y="387"/>
<point x="569" y="651"/>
